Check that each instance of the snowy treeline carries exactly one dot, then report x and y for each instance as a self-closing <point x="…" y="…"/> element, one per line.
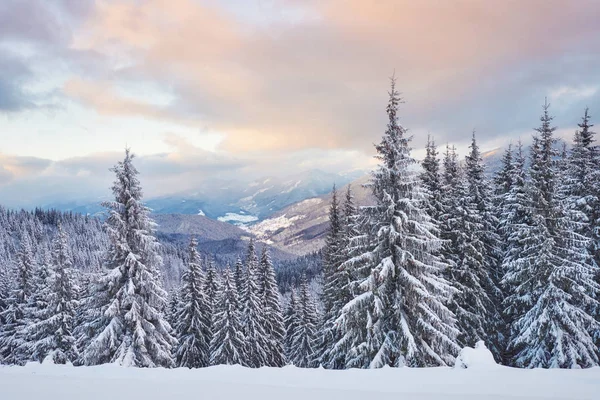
<point x="443" y="259"/>
<point x="446" y="258"/>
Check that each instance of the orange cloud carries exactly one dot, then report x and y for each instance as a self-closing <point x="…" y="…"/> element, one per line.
<point x="319" y="81"/>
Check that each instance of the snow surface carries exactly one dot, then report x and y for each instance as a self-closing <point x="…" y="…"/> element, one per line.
<point x="57" y="382"/>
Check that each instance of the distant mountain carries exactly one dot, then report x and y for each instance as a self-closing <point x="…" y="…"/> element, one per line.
<point x="233" y="201"/>
<point x="300" y="228"/>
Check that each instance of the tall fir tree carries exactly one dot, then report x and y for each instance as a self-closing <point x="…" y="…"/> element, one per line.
<point x="227" y="345"/>
<point x="255" y="353"/>
<point x="481" y="201"/>
<point x="193" y="326"/>
<point x="211" y="290"/>
<point x="292" y="320"/>
<point x="126" y="324"/>
<point x="303" y="352"/>
<point x="239" y="275"/>
<point x="404" y="298"/>
<point x="521" y="243"/>
<point x="332" y="260"/>
<point x="553" y="330"/>
<point x="463" y="228"/>
<point x="432" y="180"/>
<point x="582" y="187"/>
<point x="274" y="326"/>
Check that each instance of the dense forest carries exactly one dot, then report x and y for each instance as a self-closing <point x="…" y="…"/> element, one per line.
<point x="445" y="257"/>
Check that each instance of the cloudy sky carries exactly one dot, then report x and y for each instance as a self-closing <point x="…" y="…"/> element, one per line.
<point x="247" y="88"/>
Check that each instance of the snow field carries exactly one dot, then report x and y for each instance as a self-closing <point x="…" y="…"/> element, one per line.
<point x="110" y="382"/>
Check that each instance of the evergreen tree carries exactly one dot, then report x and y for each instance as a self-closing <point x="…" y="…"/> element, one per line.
<point x="304" y="336"/>
<point x="52" y="336"/>
<point x="211" y="290"/>
<point x="432" y="180"/>
<point x="480" y="199"/>
<point x="192" y="329"/>
<point x="292" y="320"/>
<point x="553" y="328"/>
<point x="14" y="316"/>
<point x="332" y="260"/>
<point x="255" y="353"/>
<point x="240" y="279"/>
<point x="126" y="324"/>
<point x="274" y="326"/>
<point x="403" y="298"/>
<point x="227" y="345"/>
<point x="582" y="186"/>
<point x="463" y="228"/>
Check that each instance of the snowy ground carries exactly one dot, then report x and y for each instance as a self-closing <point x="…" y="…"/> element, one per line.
<point x="51" y="382"/>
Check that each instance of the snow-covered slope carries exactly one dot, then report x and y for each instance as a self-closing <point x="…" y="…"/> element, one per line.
<point x="300" y="228"/>
<point x="53" y="382"/>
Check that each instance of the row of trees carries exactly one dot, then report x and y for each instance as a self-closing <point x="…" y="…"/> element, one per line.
<point x="446" y="258"/>
<point x="122" y="316"/>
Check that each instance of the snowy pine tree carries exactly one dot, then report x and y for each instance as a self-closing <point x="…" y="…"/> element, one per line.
<point x="256" y="341"/>
<point x="463" y="228"/>
<point x="125" y="323"/>
<point x="274" y="326"/>
<point x="304" y="337"/>
<point x="227" y="345"/>
<point x="211" y="290"/>
<point x="239" y="275"/>
<point x="332" y="260"/>
<point x="582" y="187"/>
<point x="480" y="198"/>
<point x="193" y="322"/>
<point x="403" y="300"/>
<point x="432" y="180"/>
<point x="292" y="320"/>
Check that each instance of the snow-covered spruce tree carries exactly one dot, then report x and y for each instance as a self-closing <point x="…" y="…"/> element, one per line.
<point x="582" y="187"/>
<point x="432" y="180"/>
<point x="332" y="259"/>
<point x="210" y="289"/>
<point x="192" y="329"/>
<point x="304" y="336"/>
<point x="256" y="342"/>
<point x="403" y="300"/>
<point x="239" y="275"/>
<point x="15" y="316"/>
<point x="480" y="197"/>
<point x="503" y="183"/>
<point x="52" y="336"/>
<point x="274" y="326"/>
<point x="349" y="335"/>
<point x="227" y="345"/>
<point x="465" y="249"/>
<point x="522" y="241"/>
<point x="554" y="331"/>
<point x="291" y="319"/>
<point x="125" y="323"/>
